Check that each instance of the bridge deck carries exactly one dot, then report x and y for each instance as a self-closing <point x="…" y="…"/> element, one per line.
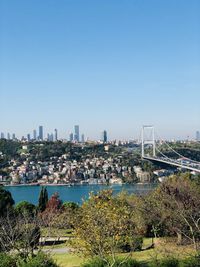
<point x="191" y="167"/>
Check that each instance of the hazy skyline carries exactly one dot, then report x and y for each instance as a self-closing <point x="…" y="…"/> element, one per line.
<point x="104" y="65"/>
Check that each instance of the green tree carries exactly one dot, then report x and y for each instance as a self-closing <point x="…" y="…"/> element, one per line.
<point x="25" y="207"/>
<point x="6" y="201"/>
<point x="43" y="199"/>
<point x="104" y="224"/>
<point x="180" y="201"/>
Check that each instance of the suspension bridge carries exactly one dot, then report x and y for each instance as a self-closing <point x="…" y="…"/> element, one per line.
<point x="156" y="155"/>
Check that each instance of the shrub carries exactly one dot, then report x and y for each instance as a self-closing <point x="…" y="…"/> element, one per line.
<point x="170" y="262"/>
<point x="132" y="244"/>
<point x="7" y="260"/>
<point x="191" y="262"/>
<point x="97" y="262"/>
<point x="40" y="260"/>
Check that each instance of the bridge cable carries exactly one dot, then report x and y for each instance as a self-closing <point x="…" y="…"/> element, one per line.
<point x="176" y="151"/>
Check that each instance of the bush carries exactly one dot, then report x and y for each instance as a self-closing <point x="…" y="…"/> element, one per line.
<point x="25" y="208"/>
<point x="191" y="262"/>
<point x="97" y="262"/>
<point x="133" y="244"/>
<point x="40" y="260"/>
<point x="170" y="262"/>
<point x="7" y="260"/>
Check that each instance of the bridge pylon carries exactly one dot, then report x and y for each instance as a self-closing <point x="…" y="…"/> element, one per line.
<point x="148" y="141"/>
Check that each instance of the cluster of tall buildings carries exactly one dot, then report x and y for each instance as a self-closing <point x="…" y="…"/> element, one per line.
<point x="8" y="136"/>
<point x="76" y="135"/>
<point x="38" y="135"/>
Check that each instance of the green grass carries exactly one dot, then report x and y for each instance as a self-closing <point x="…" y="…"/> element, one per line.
<point x="68" y="260"/>
<point x="164" y="248"/>
<point x="55" y="232"/>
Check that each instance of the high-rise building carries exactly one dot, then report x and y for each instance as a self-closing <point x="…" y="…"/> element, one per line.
<point x="34" y="135"/>
<point x="28" y="137"/>
<point x="76" y="133"/>
<point x="71" y="137"/>
<point x="104" y="136"/>
<point x="8" y="136"/>
<point x="2" y="136"/>
<point x="13" y="136"/>
<point x="51" y="137"/>
<point x="56" y="135"/>
<point x="198" y="135"/>
<point x="83" y="138"/>
<point x="40" y="133"/>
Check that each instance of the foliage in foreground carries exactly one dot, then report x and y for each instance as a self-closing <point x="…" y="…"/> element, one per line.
<point x="97" y="262"/>
<point x="7" y="260"/>
<point x="166" y="262"/>
<point x="39" y="260"/>
<point x="106" y="225"/>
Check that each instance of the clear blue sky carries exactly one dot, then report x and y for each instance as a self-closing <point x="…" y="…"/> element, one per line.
<point x="102" y="64"/>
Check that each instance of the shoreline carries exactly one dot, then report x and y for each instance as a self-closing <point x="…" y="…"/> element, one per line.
<point x="71" y="185"/>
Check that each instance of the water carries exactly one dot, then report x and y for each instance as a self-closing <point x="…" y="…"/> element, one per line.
<point x="74" y="193"/>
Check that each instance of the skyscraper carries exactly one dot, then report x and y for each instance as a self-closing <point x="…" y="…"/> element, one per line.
<point x="34" y="135"/>
<point x="2" y="136"/>
<point x="40" y="133"/>
<point x="197" y="135"/>
<point x="8" y="136"/>
<point x="83" y="138"/>
<point x="76" y="133"/>
<point x="28" y="137"/>
<point x="104" y="136"/>
<point x="13" y="137"/>
<point x="56" y="134"/>
<point x="71" y="137"/>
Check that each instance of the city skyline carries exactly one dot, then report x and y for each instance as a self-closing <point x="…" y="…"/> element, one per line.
<point x="102" y="65"/>
<point x="43" y="135"/>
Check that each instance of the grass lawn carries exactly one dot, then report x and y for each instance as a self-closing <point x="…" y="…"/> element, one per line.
<point x="163" y="248"/>
<point x="68" y="260"/>
<point x="55" y="232"/>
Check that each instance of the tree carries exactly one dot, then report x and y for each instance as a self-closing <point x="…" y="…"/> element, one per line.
<point x="105" y="224"/>
<point x="25" y="207"/>
<point x="173" y="208"/>
<point x="43" y="199"/>
<point x="52" y="211"/>
<point x="6" y="201"/>
<point x="54" y="203"/>
<point x="20" y="233"/>
<point x="180" y="200"/>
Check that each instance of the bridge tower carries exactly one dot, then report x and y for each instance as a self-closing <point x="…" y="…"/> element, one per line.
<point x="150" y="140"/>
